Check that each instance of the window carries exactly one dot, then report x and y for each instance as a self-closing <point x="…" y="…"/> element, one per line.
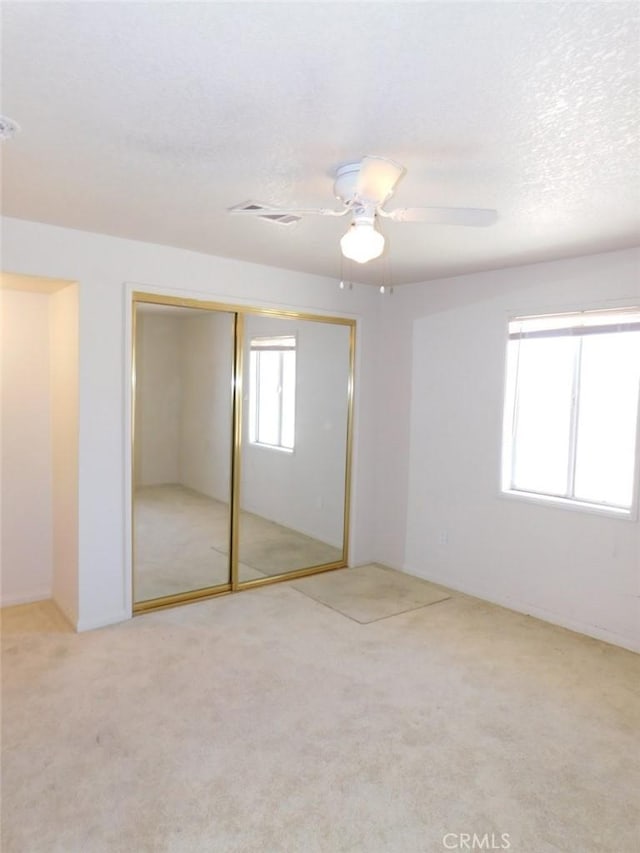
<point x="571" y="408"/>
<point x="272" y="392"/>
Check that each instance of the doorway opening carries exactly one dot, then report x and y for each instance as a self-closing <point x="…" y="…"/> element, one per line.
<point x="40" y="441"/>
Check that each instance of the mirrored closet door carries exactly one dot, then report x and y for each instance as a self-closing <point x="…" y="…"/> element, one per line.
<point x="295" y="412"/>
<point x="182" y="450"/>
<point x="241" y="447"/>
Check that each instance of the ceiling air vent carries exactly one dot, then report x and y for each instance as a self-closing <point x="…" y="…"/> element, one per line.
<point x="281" y="218"/>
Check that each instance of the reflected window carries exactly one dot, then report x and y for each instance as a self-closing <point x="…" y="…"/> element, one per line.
<point x="571" y="407"/>
<point x="272" y="391"/>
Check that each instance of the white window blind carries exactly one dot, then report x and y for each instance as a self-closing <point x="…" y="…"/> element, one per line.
<point x="571" y="407"/>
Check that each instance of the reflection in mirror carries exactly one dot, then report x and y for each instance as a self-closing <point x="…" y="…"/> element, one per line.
<point x="294" y="451"/>
<point x="182" y="449"/>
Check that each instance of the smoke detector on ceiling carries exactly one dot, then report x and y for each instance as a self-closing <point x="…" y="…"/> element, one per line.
<point x="8" y="128"/>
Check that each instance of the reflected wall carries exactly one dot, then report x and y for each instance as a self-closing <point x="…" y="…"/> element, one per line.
<point x="182" y="449"/>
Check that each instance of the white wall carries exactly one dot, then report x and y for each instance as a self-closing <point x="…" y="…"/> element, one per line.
<point x="64" y="447"/>
<point x="103" y="266"/>
<point x="303" y="490"/>
<point x="27" y="568"/>
<point x="440" y="515"/>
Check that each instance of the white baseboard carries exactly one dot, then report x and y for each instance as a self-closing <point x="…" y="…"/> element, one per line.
<point x="102" y="621"/>
<point x="632" y="644"/>
<point x="26" y="598"/>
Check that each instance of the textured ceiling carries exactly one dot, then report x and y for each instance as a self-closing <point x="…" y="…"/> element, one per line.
<point x="148" y="120"/>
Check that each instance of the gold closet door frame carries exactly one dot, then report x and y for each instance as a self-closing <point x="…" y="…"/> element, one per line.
<point x="239" y="312"/>
<point x="143" y="297"/>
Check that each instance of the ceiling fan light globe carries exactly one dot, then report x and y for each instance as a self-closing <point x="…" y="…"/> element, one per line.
<point x="362" y="243"/>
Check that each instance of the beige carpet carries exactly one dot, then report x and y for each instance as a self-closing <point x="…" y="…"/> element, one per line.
<point x="182" y="543"/>
<point x="265" y="722"/>
<point x="369" y="593"/>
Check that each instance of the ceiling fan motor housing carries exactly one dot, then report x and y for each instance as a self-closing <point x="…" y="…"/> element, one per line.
<point x="346" y="182"/>
<point x="345" y="189"/>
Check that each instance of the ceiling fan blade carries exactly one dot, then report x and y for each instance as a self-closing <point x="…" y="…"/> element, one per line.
<point x="473" y="216"/>
<point x="259" y="210"/>
<point x="377" y="178"/>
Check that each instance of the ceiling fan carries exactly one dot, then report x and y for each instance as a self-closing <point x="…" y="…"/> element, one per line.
<point x="364" y="187"/>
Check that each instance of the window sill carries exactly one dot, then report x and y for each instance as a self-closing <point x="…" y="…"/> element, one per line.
<point x="567" y="503"/>
<point x="276" y="447"/>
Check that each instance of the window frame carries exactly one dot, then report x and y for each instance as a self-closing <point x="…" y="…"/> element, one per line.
<point x="254" y="401"/>
<point x="507" y="433"/>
